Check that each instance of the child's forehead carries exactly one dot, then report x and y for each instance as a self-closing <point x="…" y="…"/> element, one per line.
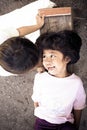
<point x="50" y="51"/>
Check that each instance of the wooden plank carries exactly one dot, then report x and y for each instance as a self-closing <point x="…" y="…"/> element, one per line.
<point x="56" y="19"/>
<point x="55" y="11"/>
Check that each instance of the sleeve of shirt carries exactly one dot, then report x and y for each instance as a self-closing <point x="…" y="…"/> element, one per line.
<point x="36" y="89"/>
<point x="80" y="102"/>
<point x="7" y="33"/>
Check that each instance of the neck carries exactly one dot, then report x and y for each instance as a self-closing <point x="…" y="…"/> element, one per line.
<point x="62" y="74"/>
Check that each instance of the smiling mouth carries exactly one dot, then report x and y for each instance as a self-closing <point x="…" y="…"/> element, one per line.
<point x="51" y="68"/>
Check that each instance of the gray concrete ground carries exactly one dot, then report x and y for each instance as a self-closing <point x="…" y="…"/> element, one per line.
<point x="16" y="106"/>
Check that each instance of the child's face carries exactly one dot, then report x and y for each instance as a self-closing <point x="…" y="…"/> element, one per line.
<point x="55" y="63"/>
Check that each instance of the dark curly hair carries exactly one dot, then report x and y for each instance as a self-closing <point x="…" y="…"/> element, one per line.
<point x="68" y="42"/>
<point x="18" y="55"/>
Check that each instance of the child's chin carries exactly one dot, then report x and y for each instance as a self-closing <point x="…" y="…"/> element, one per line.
<point x="52" y="73"/>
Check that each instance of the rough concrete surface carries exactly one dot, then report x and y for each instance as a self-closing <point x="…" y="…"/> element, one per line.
<point x="16" y="106"/>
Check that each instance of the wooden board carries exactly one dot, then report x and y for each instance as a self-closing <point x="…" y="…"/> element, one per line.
<point x="55" y="11"/>
<point x="56" y="19"/>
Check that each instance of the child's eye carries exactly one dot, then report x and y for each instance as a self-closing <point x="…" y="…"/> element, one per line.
<point x="44" y="56"/>
<point x="52" y="56"/>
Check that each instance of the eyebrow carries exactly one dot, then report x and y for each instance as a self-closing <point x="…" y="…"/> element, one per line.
<point x="50" y="52"/>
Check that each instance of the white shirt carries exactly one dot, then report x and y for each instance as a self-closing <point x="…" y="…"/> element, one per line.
<point x="57" y="97"/>
<point x="8" y="32"/>
<point x="25" y="16"/>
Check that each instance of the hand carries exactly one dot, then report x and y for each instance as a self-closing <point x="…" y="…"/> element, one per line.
<point x="40" y="69"/>
<point x="36" y="104"/>
<point x="40" y="20"/>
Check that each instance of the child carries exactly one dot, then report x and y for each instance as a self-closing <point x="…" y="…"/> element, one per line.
<point x="18" y="24"/>
<point x="17" y="54"/>
<point x="58" y="95"/>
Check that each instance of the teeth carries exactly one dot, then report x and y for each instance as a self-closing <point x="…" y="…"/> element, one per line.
<point x="51" y="67"/>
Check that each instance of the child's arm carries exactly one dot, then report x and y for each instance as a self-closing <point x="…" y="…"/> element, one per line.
<point x="77" y="117"/>
<point x="36" y="104"/>
<point x="29" y="29"/>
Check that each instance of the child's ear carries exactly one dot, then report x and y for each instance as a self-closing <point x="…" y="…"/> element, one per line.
<point x="67" y="59"/>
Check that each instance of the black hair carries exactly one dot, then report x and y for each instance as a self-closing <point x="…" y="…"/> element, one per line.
<point x="18" y="55"/>
<point x="68" y="42"/>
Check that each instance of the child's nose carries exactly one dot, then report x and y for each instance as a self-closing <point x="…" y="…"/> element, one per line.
<point x="48" y="59"/>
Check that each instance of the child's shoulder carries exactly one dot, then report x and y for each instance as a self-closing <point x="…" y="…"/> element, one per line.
<point x="43" y="74"/>
<point x="77" y="78"/>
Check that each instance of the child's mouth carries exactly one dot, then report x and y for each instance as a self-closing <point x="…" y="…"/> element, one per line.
<point x="51" y="68"/>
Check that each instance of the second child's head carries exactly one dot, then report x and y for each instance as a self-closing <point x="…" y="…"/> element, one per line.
<point x="63" y="46"/>
<point x="18" y="55"/>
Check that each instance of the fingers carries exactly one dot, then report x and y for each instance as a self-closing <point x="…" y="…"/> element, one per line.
<point x="40" y="16"/>
<point x="40" y="69"/>
<point x="40" y="20"/>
